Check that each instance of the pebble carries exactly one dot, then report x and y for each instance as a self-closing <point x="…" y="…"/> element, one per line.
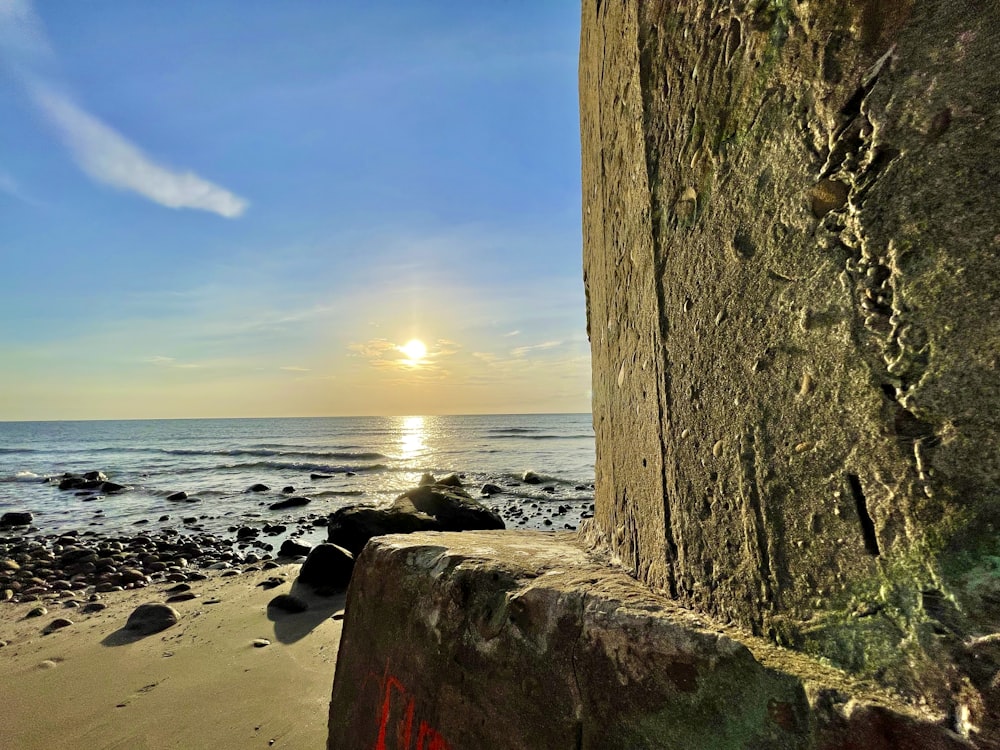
<point x="260" y="642"/>
<point x="288" y="603"/>
<point x="37" y="612"/>
<point x="57" y="624"/>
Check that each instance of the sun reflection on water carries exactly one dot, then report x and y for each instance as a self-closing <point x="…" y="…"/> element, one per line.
<point x="411" y="437"/>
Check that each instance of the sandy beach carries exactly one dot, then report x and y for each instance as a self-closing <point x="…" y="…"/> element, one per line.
<point x="202" y="683"/>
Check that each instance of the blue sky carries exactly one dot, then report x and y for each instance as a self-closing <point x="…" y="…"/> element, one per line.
<point x="245" y="208"/>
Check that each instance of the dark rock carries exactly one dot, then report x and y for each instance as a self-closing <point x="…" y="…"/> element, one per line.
<point x="257" y="488"/>
<point x="247" y="532"/>
<point x="530" y="477"/>
<point x="152" y="618"/>
<point x="260" y="642"/>
<point x="353" y="526"/>
<point x="37" y="612"/>
<point x="184" y="597"/>
<point x="426" y="479"/>
<point x="292" y="502"/>
<point x="177" y="496"/>
<point x="328" y="566"/>
<point x="15" y="518"/>
<point x="321" y="476"/>
<point x="453" y="508"/>
<point x="292" y="548"/>
<point x="95" y="476"/>
<point x="288" y="490"/>
<point x="111" y="488"/>
<point x="57" y="624"/>
<point x="490" y="489"/>
<point x="288" y="603"/>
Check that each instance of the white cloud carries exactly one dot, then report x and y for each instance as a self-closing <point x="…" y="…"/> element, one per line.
<point x="100" y="151"/>
<point x="294" y="368"/>
<point x="512" y="333"/>
<point x="523" y="350"/>
<point x="109" y="157"/>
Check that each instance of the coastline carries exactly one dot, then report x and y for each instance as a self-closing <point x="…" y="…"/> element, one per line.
<point x="200" y="683"/>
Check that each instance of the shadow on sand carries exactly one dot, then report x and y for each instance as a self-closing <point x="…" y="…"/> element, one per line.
<point x="123" y="637"/>
<point x="291" y="627"/>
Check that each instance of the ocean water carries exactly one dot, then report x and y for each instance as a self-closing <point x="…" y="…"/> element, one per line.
<point x="369" y="459"/>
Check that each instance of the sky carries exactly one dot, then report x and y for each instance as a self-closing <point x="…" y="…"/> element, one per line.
<point x="248" y="208"/>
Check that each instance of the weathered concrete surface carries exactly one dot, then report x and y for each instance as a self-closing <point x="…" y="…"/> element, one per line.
<point x="517" y="640"/>
<point x="792" y="260"/>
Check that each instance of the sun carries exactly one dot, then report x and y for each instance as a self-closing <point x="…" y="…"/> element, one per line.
<point x="415" y="350"/>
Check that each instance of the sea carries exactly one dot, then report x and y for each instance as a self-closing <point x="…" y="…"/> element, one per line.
<point x="333" y="461"/>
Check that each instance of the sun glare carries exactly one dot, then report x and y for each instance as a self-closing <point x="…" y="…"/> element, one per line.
<point x="414" y="350"/>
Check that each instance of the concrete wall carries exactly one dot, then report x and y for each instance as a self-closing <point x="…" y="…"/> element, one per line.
<point x="791" y="259"/>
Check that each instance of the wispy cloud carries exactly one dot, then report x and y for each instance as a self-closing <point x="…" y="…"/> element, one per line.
<point x="103" y="153"/>
<point x="511" y="333"/>
<point x="294" y="368"/>
<point x="161" y="361"/>
<point x="12" y="187"/>
<point x="522" y="351"/>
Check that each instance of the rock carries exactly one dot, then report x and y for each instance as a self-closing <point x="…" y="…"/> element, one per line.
<point x="92" y="607"/>
<point x="260" y="642"/>
<point x="321" y="476"/>
<point x="578" y="655"/>
<point x="15" y="518"/>
<point x="292" y="502"/>
<point x="177" y="496"/>
<point x="257" y="488"/>
<point x="57" y="624"/>
<point x="328" y="567"/>
<point x="288" y="603"/>
<point x="453" y="508"/>
<point x="37" y="612"/>
<point x="292" y="548"/>
<point x="490" y="489"/>
<point x="151" y="618"/>
<point x="450" y="480"/>
<point x="426" y="479"/>
<point x="8" y="565"/>
<point x="288" y="490"/>
<point x="353" y="526"/>
<point x="530" y="477"/>
<point x="247" y="532"/>
<point x="185" y="597"/>
<point x="110" y="488"/>
<point x="95" y="476"/>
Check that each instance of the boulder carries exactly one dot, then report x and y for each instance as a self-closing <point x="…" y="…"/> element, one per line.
<point x="151" y="618"/>
<point x="426" y="479"/>
<point x="454" y="509"/>
<point x="328" y="567"/>
<point x="450" y="480"/>
<point x="353" y="526"/>
<point x="292" y="502"/>
<point x="15" y="518"/>
<point x="287" y="603"/>
<point x="292" y="548"/>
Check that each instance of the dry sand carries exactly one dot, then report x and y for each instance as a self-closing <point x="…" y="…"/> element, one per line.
<point x="198" y="684"/>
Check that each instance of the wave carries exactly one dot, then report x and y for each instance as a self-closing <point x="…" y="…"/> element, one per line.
<point x="512" y="430"/>
<point x="236" y="452"/>
<point x="280" y="465"/>
<point x="521" y="436"/>
<point x="12" y="451"/>
<point x="22" y="476"/>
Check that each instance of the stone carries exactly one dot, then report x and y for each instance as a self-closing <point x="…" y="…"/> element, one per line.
<point x="353" y="526"/>
<point x="177" y="496"/>
<point x="57" y="624"/>
<point x="790" y="253"/>
<point x="327" y="567"/>
<point x="260" y="642"/>
<point x="449" y="480"/>
<point x="564" y="651"/>
<point x="288" y="603"/>
<point x="490" y="489"/>
<point x="293" y="548"/>
<point x="37" y="612"/>
<point x="292" y="502"/>
<point x="257" y="488"/>
<point x="530" y="477"/>
<point x="152" y="617"/>
<point x="110" y="488"/>
<point x="287" y="490"/>
<point x="15" y="518"/>
<point x="452" y="507"/>
<point x="321" y="476"/>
